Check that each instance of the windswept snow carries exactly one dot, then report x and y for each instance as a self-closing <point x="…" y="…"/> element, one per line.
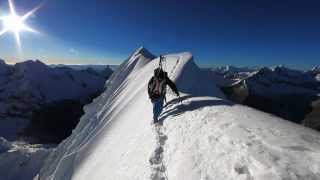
<point x="203" y="137"/>
<point x="235" y="142"/>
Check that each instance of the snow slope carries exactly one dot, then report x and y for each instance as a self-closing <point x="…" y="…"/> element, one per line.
<point x="205" y="137"/>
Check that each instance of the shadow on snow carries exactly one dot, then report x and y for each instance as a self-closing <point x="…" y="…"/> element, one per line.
<point x="189" y="106"/>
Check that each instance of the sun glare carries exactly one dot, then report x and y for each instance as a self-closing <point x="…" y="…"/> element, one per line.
<point x="15" y="23"/>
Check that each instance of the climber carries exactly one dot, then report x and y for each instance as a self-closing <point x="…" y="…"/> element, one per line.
<point x="157" y="89"/>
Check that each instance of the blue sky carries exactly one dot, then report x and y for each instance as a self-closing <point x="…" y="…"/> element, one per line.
<point x="241" y="33"/>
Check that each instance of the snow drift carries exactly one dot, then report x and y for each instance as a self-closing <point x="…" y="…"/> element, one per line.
<point x="203" y="137"/>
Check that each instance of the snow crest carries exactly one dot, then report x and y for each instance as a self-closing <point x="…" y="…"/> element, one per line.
<point x="203" y="136"/>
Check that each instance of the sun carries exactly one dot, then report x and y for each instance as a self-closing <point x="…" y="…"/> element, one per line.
<point x="15" y="23"/>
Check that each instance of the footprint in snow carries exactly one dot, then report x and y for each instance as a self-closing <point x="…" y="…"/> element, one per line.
<point x="158" y="168"/>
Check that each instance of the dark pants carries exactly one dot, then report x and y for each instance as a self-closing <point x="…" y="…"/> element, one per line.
<point x="157" y="108"/>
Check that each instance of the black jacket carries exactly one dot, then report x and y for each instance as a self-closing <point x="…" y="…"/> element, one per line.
<point x="167" y="82"/>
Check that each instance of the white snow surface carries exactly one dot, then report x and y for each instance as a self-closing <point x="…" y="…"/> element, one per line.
<point x="204" y="137"/>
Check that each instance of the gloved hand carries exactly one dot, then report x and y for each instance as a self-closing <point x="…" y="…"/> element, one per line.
<point x="152" y="99"/>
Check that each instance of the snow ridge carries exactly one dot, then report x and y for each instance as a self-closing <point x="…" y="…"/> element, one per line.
<point x="137" y="59"/>
<point x="157" y="164"/>
<point x="205" y="137"/>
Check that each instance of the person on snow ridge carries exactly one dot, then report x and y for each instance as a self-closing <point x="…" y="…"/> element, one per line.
<point x="157" y="90"/>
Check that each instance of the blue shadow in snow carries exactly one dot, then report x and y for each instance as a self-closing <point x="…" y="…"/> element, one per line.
<point x="190" y="106"/>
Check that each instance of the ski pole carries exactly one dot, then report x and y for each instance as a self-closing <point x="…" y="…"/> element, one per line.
<point x="180" y="99"/>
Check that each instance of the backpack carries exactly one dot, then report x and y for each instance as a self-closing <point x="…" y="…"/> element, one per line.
<point x="157" y="87"/>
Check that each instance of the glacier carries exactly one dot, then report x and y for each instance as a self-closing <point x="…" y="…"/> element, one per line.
<point x="203" y="136"/>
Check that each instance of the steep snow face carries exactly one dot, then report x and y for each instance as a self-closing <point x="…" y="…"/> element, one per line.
<point x="202" y="137"/>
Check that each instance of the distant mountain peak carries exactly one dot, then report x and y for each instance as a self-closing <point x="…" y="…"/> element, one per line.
<point x="32" y="64"/>
<point x="2" y="62"/>
<point x="263" y="70"/>
<point x="3" y="66"/>
<point x="144" y="52"/>
<point x="316" y="68"/>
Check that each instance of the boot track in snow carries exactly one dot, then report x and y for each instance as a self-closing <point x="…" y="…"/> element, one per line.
<point x="158" y="167"/>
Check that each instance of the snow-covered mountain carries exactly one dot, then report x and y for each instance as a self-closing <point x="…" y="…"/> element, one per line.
<point x="203" y="137"/>
<point x="281" y="91"/>
<point x="33" y="96"/>
<point x="219" y="79"/>
<point x="233" y="73"/>
<point x="232" y="69"/>
<point x="104" y="73"/>
<point x="32" y="86"/>
<point x="102" y="70"/>
<point x="315" y="72"/>
<point x="80" y="67"/>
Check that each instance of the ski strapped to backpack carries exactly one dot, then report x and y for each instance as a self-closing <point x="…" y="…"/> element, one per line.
<point x="158" y="87"/>
<point x="158" y="83"/>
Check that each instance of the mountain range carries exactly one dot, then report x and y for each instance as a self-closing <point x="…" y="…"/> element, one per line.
<point x="203" y="135"/>
<point x="290" y="94"/>
<point x="31" y="90"/>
